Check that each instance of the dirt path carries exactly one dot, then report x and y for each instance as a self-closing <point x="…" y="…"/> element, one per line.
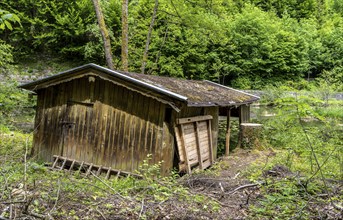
<point x="230" y="187"/>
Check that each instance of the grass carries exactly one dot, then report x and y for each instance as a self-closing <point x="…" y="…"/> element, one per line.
<point x="62" y="194"/>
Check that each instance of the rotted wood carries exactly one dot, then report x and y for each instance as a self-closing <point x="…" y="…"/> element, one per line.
<point x="70" y="164"/>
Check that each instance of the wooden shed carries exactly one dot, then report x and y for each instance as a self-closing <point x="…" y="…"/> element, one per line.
<point x="115" y="119"/>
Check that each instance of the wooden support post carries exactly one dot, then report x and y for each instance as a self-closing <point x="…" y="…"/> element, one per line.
<point x="99" y="171"/>
<point x="108" y="173"/>
<point x="89" y="169"/>
<point x="118" y="174"/>
<point x="200" y="160"/>
<point x="228" y="132"/>
<point x="64" y="162"/>
<point x="209" y="133"/>
<point x="72" y="165"/>
<point x="81" y="166"/>
<point x="56" y="160"/>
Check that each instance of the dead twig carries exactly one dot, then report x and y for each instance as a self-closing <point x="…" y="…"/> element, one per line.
<point x="243" y="187"/>
<point x="102" y="215"/>
<point x="142" y="208"/>
<point x="35" y="215"/>
<point x="12" y="202"/>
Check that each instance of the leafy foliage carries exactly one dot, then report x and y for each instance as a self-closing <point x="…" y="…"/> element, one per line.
<point x="6" y="18"/>
<point x="243" y="44"/>
<point x="6" y="57"/>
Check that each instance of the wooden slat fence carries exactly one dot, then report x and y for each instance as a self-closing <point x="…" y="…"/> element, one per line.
<point x="194" y="141"/>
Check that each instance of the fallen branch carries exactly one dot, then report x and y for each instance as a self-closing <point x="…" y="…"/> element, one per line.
<point x="243" y="187"/>
<point x="35" y="215"/>
<point x="142" y="208"/>
<point x="12" y="202"/>
<point x="102" y="215"/>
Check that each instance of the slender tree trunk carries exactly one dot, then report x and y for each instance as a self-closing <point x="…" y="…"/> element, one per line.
<point x="159" y="52"/>
<point x="104" y="34"/>
<point x="148" y="38"/>
<point x="125" y="35"/>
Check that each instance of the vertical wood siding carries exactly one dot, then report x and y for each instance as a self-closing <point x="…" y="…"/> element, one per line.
<point x="101" y="123"/>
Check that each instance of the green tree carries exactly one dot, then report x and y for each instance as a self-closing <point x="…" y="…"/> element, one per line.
<point x="6" y="20"/>
<point x="264" y="48"/>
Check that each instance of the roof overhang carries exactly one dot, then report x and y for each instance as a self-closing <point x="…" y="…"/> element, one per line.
<point x="66" y="75"/>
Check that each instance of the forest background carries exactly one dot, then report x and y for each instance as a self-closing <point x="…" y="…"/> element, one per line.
<point x="244" y="44"/>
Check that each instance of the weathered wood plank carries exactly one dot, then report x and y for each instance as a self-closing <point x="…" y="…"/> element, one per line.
<point x="199" y="146"/>
<point x="193" y="119"/>
<point x="210" y="142"/>
<point x="185" y="153"/>
<point x="139" y="148"/>
<point x="128" y="133"/>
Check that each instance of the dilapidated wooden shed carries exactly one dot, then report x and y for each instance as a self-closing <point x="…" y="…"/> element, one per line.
<point x="115" y="119"/>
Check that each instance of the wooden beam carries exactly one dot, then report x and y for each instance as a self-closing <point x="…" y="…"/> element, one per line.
<point x="56" y="160"/>
<point x="72" y="165"/>
<point x="228" y="132"/>
<point x="108" y="173"/>
<point x="185" y="153"/>
<point x="64" y="162"/>
<point x="89" y="169"/>
<point x="209" y="131"/>
<point x="200" y="160"/>
<point x="193" y="119"/>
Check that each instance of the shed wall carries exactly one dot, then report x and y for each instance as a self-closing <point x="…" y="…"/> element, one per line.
<point x="94" y="120"/>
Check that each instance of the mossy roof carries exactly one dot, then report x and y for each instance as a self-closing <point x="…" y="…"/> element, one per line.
<point x="194" y="92"/>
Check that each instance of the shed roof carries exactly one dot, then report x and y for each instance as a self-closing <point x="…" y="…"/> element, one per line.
<point x="194" y="92"/>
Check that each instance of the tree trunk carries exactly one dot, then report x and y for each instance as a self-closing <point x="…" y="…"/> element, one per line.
<point x="148" y="38"/>
<point x="159" y="52"/>
<point x="104" y="34"/>
<point x="125" y="36"/>
<point x="250" y="135"/>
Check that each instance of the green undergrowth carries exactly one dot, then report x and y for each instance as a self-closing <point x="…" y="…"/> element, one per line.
<point x="302" y="176"/>
<point x="292" y="190"/>
<point x="16" y="107"/>
<point x="62" y="194"/>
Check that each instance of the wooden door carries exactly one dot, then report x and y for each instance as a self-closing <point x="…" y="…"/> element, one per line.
<point x="77" y="131"/>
